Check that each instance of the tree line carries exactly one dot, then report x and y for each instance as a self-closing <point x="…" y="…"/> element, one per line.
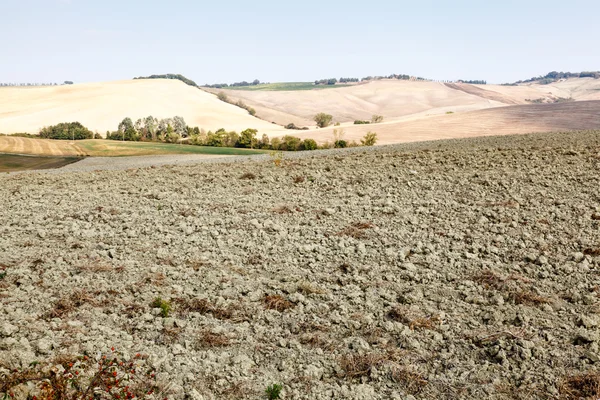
<point x="178" y="77"/>
<point x="235" y="84"/>
<point x="554" y="76"/>
<point x="473" y="82"/>
<point x="35" y="84"/>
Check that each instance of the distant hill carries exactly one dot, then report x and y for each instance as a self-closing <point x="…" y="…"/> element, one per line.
<point x="101" y="106"/>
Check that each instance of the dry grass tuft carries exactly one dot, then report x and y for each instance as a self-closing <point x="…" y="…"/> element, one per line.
<point x="360" y="365"/>
<point x="187" y="212"/>
<point x="592" y="252"/>
<point x="317" y="340"/>
<point x="518" y="288"/>
<point x="491" y="279"/>
<point x="411" y="381"/>
<point x="197" y="265"/>
<point x="248" y="175"/>
<point x="277" y="303"/>
<point x="211" y="339"/>
<point x="283" y="209"/>
<point x="69" y="303"/>
<point x="232" y="312"/>
<point x="585" y="386"/>
<point x="170" y="335"/>
<point x="96" y="268"/>
<point x="528" y="297"/>
<point x="356" y="230"/>
<point x="412" y="319"/>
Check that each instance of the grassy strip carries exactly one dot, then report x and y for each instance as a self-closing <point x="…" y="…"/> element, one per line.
<point x="13" y="162"/>
<point x="114" y="148"/>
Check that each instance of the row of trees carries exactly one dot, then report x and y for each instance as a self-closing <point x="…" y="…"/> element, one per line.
<point x="330" y="81"/>
<point x="554" y="76"/>
<point x="473" y="82"/>
<point x="35" y="84"/>
<point x="170" y="76"/>
<point x="323" y="120"/>
<point x="174" y="130"/>
<point x="235" y="84"/>
<point x="168" y="130"/>
<point x="333" y="81"/>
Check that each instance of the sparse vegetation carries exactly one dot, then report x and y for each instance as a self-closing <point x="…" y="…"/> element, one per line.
<point x="583" y="386"/>
<point x="274" y="391"/>
<point x="375" y="119"/>
<point x="323" y="120"/>
<point x="360" y="365"/>
<point x="293" y="126"/>
<point x="370" y="139"/>
<point x="164" y="305"/>
<point x="277" y="302"/>
<point x="110" y="377"/>
<point x="413" y="319"/>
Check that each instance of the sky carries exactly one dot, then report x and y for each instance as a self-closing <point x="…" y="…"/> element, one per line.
<point x="277" y="41"/>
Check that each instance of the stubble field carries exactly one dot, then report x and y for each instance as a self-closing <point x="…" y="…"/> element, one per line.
<point x="449" y="269"/>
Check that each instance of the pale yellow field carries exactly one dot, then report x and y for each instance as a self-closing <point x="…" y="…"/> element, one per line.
<point x="413" y="110"/>
<point x="101" y="106"/>
<point x="517" y="119"/>
<point x="400" y="99"/>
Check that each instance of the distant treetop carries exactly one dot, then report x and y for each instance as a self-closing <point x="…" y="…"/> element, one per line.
<point x="555" y="76"/>
<point x="170" y="76"/>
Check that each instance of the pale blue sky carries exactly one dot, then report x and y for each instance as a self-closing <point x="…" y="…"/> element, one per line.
<point x="227" y="40"/>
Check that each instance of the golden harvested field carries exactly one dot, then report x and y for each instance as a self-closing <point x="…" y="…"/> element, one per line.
<point x="101" y="106"/>
<point x="21" y="145"/>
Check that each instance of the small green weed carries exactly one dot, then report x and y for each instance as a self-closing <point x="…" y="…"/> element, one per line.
<point x="164" y="305"/>
<point x="274" y="391"/>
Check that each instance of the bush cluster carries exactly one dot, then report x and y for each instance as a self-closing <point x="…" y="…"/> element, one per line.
<point x="293" y="126"/>
<point x="223" y="97"/>
<point x="66" y="131"/>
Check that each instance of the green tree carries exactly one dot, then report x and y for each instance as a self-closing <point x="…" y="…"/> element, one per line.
<point x="230" y="139"/>
<point x="370" y="139"/>
<point x="309" y="144"/>
<point x="376" y="118"/>
<point x="127" y="123"/>
<point x="247" y="139"/>
<point x="323" y="120"/>
<point x="340" y="144"/>
<point x="66" y="131"/>
<point x="290" y="143"/>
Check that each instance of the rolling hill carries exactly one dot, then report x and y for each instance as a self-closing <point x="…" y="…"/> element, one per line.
<point x="101" y="106"/>
<point x="413" y="110"/>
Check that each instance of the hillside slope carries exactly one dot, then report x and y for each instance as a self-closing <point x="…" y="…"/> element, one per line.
<point x="396" y="99"/>
<point x="519" y="119"/>
<point x="101" y="106"/>
<point x="390" y="98"/>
